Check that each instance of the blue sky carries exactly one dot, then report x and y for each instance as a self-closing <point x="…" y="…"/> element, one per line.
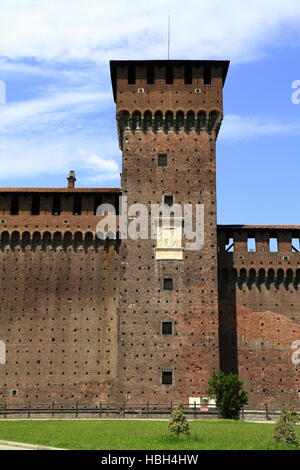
<point x="59" y="111"/>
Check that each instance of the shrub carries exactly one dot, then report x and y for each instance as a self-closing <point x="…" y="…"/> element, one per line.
<point x="284" y="432"/>
<point x="227" y="390"/>
<point x="178" y="423"/>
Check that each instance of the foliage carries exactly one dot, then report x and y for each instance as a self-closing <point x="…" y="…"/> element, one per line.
<point x="227" y="390"/>
<point x="284" y="431"/>
<point x="178" y="423"/>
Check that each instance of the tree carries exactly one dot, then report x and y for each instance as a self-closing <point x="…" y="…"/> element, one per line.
<point x="284" y="432"/>
<point x="227" y="390"/>
<point x="178" y="423"/>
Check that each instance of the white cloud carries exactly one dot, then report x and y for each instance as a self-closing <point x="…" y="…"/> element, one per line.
<point x="62" y="48"/>
<point x="102" y="169"/>
<point x="246" y="127"/>
<point x="18" y="113"/>
<point x="100" y="164"/>
<point x="35" y="156"/>
<point x="97" y="30"/>
<point x="43" y="137"/>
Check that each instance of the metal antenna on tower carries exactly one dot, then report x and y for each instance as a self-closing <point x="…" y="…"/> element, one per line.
<point x="169" y="24"/>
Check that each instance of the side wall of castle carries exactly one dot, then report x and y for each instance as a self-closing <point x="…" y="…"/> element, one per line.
<point x="58" y="299"/>
<point x="259" y="311"/>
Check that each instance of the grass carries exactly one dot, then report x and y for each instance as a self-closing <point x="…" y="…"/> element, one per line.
<point x="144" y="435"/>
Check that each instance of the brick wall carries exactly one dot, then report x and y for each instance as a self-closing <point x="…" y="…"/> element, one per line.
<point x="59" y="292"/>
<point x="191" y="352"/>
<point x="260" y="312"/>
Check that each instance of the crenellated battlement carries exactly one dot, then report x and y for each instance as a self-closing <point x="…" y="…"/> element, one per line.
<point x="182" y="82"/>
<point x="47" y="202"/>
<point x="243" y="239"/>
<point x="250" y="248"/>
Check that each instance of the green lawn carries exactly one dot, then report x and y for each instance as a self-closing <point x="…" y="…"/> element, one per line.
<point x="146" y="435"/>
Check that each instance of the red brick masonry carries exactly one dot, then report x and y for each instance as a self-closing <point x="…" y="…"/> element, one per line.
<point x="81" y="319"/>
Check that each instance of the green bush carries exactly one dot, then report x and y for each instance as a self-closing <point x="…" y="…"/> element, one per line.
<point x="178" y="423"/>
<point x="227" y="390"/>
<point x="284" y="432"/>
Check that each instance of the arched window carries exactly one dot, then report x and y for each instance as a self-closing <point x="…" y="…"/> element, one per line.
<point x="201" y="120"/>
<point x="158" y="120"/>
<point x="124" y="119"/>
<point x="57" y="240"/>
<point x="179" y="120"/>
<point x="242" y="277"/>
<point x="279" y="277"/>
<point x="4" y="239"/>
<point x="271" y="277"/>
<point x="15" y="239"/>
<point x="147" y="120"/>
<point x="289" y="277"/>
<point x="190" y="120"/>
<point x="213" y="116"/>
<point x="297" y="278"/>
<point x="169" y="121"/>
<point x="252" y="277"/>
<point x="67" y="240"/>
<point x="46" y="240"/>
<point x="136" y="120"/>
<point x="89" y="240"/>
<point x="261" y="276"/>
<point x="37" y="240"/>
<point x="25" y="240"/>
<point x="78" y="239"/>
<point x="2" y="353"/>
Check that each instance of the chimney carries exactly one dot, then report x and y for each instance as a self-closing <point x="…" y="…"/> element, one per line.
<point x="71" y="179"/>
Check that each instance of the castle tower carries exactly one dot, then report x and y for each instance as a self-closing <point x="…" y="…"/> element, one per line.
<point x="168" y="114"/>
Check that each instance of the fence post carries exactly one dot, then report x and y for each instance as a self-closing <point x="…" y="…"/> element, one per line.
<point x="28" y="412"/>
<point x="171" y="407"/>
<point x="147" y="409"/>
<point x="195" y="411"/>
<point x="77" y="409"/>
<point x="100" y="409"/>
<point x="243" y="414"/>
<point x="267" y="412"/>
<point x="5" y="410"/>
<point x="124" y="404"/>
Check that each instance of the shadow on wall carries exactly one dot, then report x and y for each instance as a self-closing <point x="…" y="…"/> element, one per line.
<point x="228" y="318"/>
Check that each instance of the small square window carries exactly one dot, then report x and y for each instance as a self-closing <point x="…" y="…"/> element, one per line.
<point x="14" y="393"/>
<point x="168" y="283"/>
<point x="167" y="378"/>
<point x="162" y="159"/>
<point x="167" y="327"/>
<point x="168" y="200"/>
